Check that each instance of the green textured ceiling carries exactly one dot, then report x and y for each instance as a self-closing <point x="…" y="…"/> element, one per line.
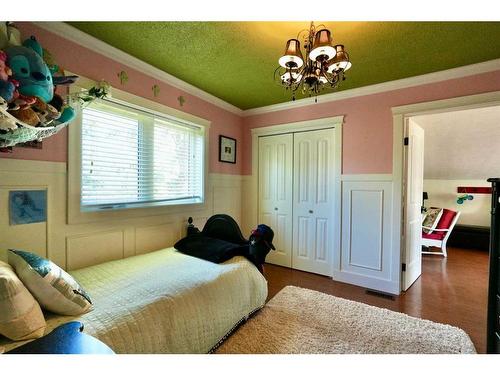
<point x="235" y="61"/>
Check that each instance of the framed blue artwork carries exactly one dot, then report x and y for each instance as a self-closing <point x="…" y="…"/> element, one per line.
<point x="27" y="206"/>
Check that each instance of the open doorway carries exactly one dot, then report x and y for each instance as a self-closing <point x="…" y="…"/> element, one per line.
<point x="448" y="157"/>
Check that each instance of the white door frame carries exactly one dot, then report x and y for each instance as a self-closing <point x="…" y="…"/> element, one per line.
<point x="318" y="124"/>
<point x="399" y="115"/>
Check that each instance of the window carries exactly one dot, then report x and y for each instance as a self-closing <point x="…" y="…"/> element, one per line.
<point x="133" y="157"/>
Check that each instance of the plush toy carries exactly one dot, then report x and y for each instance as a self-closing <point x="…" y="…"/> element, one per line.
<point x="45" y="112"/>
<point x="261" y="243"/>
<point x="27" y="115"/>
<point x="29" y="69"/>
<point x="68" y="114"/>
<point x="7" y="87"/>
<point x="57" y="102"/>
<point x="21" y="102"/>
<point x="64" y="80"/>
<point x="6" y="123"/>
<point x="5" y="71"/>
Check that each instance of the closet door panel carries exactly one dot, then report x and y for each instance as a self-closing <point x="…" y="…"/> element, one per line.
<point x="275" y="194"/>
<point x="303" y="237"/>
<point x="313" y="205"/>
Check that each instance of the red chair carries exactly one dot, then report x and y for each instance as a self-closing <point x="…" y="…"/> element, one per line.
<point x="440" y="235"/>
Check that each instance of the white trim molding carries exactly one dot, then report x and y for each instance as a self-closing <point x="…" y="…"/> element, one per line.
<point x="448" y="105"/>
<point x="74" y="35"/>
<point x="292" y="127"/>
<point x="443" y="75"/>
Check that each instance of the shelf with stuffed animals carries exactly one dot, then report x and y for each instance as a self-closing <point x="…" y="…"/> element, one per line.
<point x="30" y="107"/>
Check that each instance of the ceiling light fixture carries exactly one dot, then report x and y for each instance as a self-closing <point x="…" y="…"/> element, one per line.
<point x="323" y="68"/>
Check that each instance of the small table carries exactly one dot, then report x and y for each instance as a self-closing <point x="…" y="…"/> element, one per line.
<point x="68" y="338"/>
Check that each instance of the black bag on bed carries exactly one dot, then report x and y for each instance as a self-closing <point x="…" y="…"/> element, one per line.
<point x="211" y="249"/>
<point x="221" y="239"/>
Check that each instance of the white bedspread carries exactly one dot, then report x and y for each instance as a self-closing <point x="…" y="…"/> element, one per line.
<point x="165" y="302"/>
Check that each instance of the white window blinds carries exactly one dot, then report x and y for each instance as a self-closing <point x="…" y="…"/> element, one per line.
<point x="131" y="157"/>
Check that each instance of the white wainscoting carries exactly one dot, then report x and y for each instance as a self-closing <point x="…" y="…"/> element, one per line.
<point x="366" y="256"/>
<point x="80" y="245"/>
<point x="93" y="248"/>
<point x="154" y="237"/>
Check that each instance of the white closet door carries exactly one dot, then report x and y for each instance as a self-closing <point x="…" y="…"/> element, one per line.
<point x="313" y="207"/>
<point x="275" y="194"/>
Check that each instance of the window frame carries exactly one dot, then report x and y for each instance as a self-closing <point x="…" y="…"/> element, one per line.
<point x="77" y="213"/>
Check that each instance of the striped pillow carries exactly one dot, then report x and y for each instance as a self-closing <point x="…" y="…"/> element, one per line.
<point x="55" y="290"/>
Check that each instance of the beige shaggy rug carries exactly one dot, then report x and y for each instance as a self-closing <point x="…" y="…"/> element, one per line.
<point x="300" y="320"/>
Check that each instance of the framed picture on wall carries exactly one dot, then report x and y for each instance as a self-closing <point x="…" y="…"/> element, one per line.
<point x="27" y="206"/>
<point x="227" y="149"/>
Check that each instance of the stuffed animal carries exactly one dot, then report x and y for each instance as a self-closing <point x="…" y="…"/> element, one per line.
<point x="29" y="69"/>
<point x="261" y="243"/>
<point x="64" y="80"/>
<point x="7" y="87"/>
<point x="45" y="112"/>
<point x="21" y="102"/>
<point x="57" y="102"/>
<point x="27" y="115"/>
<point x="6" y="123"/>
<point x="68" y="114"/>
<point x="5" y="71"/>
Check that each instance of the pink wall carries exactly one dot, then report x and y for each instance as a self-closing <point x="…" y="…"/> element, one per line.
<point x="81" y="60"/>
<point x="367" y="131"/>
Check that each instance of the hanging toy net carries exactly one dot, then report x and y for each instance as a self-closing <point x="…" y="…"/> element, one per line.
<point x="14" y="131"/>
<point x="30" y="107"/>
<point x="24" y="132"/>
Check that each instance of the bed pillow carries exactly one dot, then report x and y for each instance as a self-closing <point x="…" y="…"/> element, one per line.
<point x="21" y="317"/>
<point x="432" y="219"/>
<point x="54" y="289"/>
<point x="207" y="248"/>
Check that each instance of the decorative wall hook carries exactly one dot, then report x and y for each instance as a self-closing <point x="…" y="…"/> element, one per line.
<point x="123" y="76"/>
<point x="156" y="90"/>
<point x="464" y="197"/>
<point x="181" y="100"/>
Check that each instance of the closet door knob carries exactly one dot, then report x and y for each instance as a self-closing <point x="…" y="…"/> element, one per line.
<point x="275" y="208"/>
<point x="310" y="211"/>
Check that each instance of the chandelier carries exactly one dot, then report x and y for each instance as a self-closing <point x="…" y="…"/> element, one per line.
<point x="323" y="68"/>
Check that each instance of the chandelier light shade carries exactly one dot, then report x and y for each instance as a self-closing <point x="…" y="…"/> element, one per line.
<point x="293" y="56"/>
<point x="291" y="76"/>
<point x="322" y="48"/>
<point x="340" y="61"/>
<point x="323" y="67"/>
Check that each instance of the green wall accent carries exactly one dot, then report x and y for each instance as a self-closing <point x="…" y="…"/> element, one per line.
<point x="235" y="61"/>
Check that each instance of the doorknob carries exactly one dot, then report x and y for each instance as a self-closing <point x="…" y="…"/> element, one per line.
<point x="275" y="208"/>
<point x="310" y="211"/>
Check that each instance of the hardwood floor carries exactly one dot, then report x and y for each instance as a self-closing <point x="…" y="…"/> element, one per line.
<point x="451" y="290"/>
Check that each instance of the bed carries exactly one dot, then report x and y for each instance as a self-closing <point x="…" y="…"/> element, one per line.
<point x="165" y="302"/>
